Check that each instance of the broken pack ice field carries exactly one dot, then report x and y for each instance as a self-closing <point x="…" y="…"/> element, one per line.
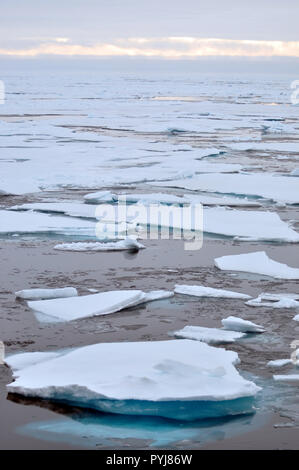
<point x="104" y="303"/>
<point x="178" y="379"/>
<point x="256" y="263"/>
<point x="202" y="291"/>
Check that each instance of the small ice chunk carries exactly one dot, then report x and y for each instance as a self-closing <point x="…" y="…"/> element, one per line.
<point x="121" y="245"/>
<point x="278" y="301"/>
<point x="279" y="362"/>
<point x="257" y="263"/>
<point x="208" y="335"/>
<point x="154" y="198"/>
<point x="2" y="352"/>
<point x="32" y="294"/>
<point x="238" y="324"/>
<point x="100" y="197"/>
<point x="295" y="172"/>
<point x="287" y="378"/>
<point x="202" y="291"/>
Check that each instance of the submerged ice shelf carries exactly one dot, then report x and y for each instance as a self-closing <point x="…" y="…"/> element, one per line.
<point x="179" y="379"/>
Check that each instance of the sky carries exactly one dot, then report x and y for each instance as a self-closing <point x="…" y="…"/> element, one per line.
<point x="159" y="29"/>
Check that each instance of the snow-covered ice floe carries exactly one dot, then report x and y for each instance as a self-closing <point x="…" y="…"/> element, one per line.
<point x="31" y="294"/>
<point x="238" y="324"/>
<point x="103" y="303"/>
<point x="280" y="300"/>
<point x="99" y="197"/>
<point x="208" y="335"/>
<point x="276" y="363"/>
<point x="178" y="379"/>
<point x="126" y="244"/>
<point x="219" y="200"/>
<point x="202" y="291"/>
<point x="277" y="188"/>
<point x="257" y="263"/>
<point x="72" y="209"/>
<point x="248" y="225"/>
<point x="163" y="198"/>
<point x="287" y="378"/>
<point x="30" y="222"/>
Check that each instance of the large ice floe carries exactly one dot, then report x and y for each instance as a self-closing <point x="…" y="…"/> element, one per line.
<point x="254" y="225"/>
<point x="245" y="225"/>
<point x="256" y="263"/>
<point x="31" y="294"/>
<point x="179" y="379"/>
<point x="121" y="245"/>
<point x="277" y="188"/>
<point x="30" y="222"/>
<point x="208" y="335"/>
<point x="103" y="303"/>
<point x="279" y="300"/>
<point x="238" y="324"/>
<point x="202" y="291"/>
<point x="163" y="198"/>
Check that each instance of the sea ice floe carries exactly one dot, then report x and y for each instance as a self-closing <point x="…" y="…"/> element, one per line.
<point x="31" y="294"/>
<point x="238" y="324"/>
<point x="287" y="378"/>
<point x="103" y="303"/>
<point x="100" y="197"/>
<point x="208" y="335"/>
<point x="295" y="172"/>
<point x="279" y="363"/>
<point x="280" y="300"/>
<point x="30" y="222"/>
<point x="176" y="378"/>
<point x="153" y="198"/>
<point x="73" y="209"/>
<point x="202" y="291"/>
<point x="246" y="225"/>
<point x="257" y="263"/>
<point x="255" y="225"/>
<point x="214" y="200"/>
<point x="121" y="245"/>
<point x="268" y="186"/>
